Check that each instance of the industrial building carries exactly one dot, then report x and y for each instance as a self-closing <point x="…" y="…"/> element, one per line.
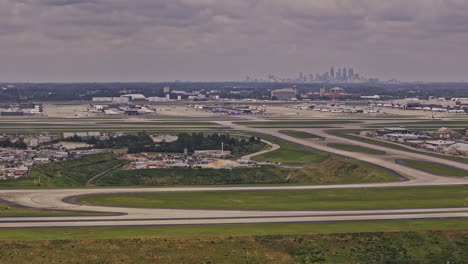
<point x="284" y="94"/>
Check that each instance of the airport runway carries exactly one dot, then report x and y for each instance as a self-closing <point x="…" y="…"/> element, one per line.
<point x="54" y="199"/>
<point x="57" y="199"/>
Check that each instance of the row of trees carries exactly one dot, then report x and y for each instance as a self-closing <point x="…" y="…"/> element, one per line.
<point x="135" y="143"/>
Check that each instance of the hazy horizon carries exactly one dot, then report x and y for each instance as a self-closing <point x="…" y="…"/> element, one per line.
<point x="220" y="40"/>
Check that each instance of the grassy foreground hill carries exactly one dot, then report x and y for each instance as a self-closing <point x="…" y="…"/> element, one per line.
<point x="332" y="171"/>
<point x="408" y="247"/>
<point x="70" y="173"/>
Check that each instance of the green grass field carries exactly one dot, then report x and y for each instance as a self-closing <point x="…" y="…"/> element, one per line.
<point x="375" y="248"/>
<point x="438" y="123"/>
<point x="435" y="168"/>
<point x="331" y="172"/>
<point x="32" y="124"/>
<point x="296" y="122"/>
<point x="71" y="173"/>
<point x="356" y="148"/>
<point x="162" y="177"/>
<point x="9" y="211"/>
<point x="130" y="130"/>
<point x="230" y="230"/>
<point x="165" y="123"/>
<point x="339" y="170"/>
<point x="74" y="174"/>
<point x="300" y="134"/>
<point x="290" y="153"/>
<point x="350" y="199"/>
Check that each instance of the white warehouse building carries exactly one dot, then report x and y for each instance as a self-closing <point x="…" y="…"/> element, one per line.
<point x="135" y="97"/>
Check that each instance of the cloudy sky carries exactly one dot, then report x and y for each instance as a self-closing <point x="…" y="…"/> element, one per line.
<point x="160" y="40"/>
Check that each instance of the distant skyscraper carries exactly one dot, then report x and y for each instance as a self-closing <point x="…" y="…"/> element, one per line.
<point x="332" y="73"/>
<point x="351" y="73"/>
<point x="345" y="74"/>
<point x="339" y="75"/>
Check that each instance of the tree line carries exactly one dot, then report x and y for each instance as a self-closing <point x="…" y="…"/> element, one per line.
<point x="194" y="141"/>
<point x="17" y="144"/>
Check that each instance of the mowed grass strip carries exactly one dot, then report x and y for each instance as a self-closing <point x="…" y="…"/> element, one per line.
<point x="297" y="122"/>
<point x="165" y="123"/>
<point x="26" y="124"/>
<point x="435" y="168"/>
<point x="126" y="129"/>
<point x="300" y="134"/>
<point x="290" y="153"/>
<point x="356" y="148"/>
<point x="438" y="123"/>
<point x="349" y="199"/>
<point x="197" y="231"/>
<point x="9" y="211"/>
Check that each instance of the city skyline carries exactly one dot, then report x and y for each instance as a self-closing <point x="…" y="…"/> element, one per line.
<point x="206" y="40"/>
<point x="344" y="74"/>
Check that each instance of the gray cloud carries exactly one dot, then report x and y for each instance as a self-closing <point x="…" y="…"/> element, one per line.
<point x="218" y="39"/>
<point x="67" y="2"/>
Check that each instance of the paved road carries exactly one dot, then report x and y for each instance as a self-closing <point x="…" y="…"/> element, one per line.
<point x="54" y="199"/>
<point x="273" y="147"/>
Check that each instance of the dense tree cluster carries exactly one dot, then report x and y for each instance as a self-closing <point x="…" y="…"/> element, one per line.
<point x="134" y="143"/>
<point x="17" y="145"/>
<point x="195" y="141"/>
<point x="198" y="141"/>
